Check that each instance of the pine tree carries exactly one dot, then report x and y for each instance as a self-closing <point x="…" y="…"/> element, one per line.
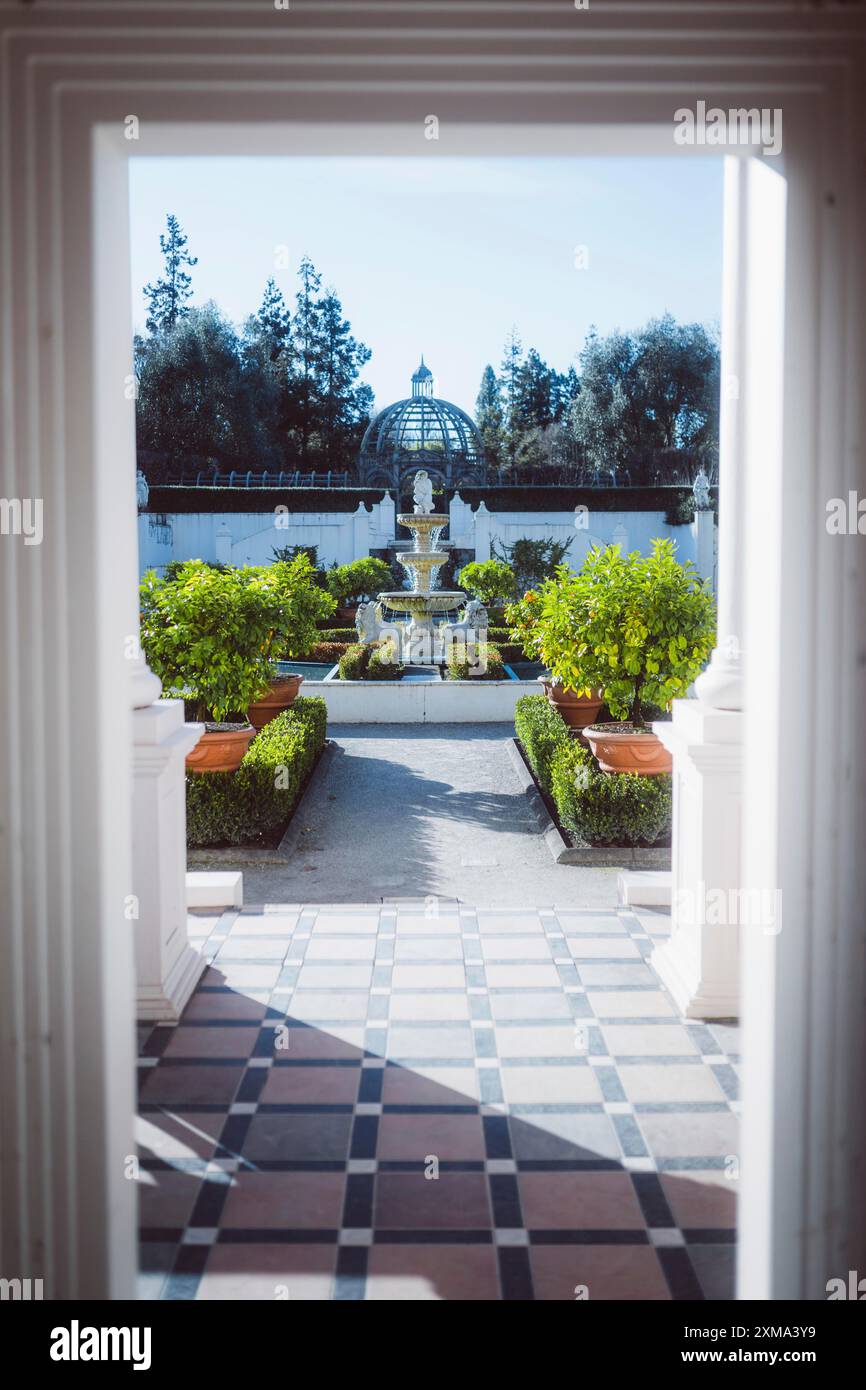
<point x="267" y="369"/>
<point x="167" y="299"/>
<point x="534" y="403"/>
<point x="307" y="350"/>
<point x="510" y="385"/>
<point x="489" y="417"/>
<point x="342" y="404"/>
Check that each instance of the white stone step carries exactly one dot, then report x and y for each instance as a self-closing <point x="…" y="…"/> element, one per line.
<point x="644" y="888"/>
<point x="214" y="888"/>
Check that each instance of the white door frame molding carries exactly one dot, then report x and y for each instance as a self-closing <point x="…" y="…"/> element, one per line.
<point x="597" y="80"/>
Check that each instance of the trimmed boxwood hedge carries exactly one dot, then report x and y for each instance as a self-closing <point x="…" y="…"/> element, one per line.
<point x="458" y="667"/>
<point x="602" y="808"/>
<point x="369" y="661"/>
<point x="238" y="808"/>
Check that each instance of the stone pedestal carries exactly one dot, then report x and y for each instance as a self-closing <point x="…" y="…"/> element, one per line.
<point x="700" y="962"/>
<point x="167" y="966"/>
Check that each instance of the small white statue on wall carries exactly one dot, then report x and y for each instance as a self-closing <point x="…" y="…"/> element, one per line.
<point x="142" y="491"/>
<point x="422" y="493"/>
<point x="701" y="491"/>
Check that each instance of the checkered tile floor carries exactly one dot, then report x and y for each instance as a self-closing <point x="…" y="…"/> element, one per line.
<point x="377" y="1103"/>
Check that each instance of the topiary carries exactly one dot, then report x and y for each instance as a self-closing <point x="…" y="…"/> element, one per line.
<point x="241" y="807"/>
<point x="607" y="809"/>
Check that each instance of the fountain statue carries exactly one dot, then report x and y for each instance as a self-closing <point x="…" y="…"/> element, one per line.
<point x="422" y="642"/>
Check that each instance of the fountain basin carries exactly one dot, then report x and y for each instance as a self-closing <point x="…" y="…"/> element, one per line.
<point x="436" y="601"/>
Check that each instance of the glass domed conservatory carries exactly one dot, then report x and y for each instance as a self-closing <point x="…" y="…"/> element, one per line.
<point x="421" y="432"/>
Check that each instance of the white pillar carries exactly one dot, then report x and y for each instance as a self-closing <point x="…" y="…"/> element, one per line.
<point x="387" y="518"/>
<point x="704" y="533"/>
<point x="482" y="533"/>
<point x="223" y="544"/>
<point x="361" y="533"/>
<point x="168" y="967"/>
<point x="700" y="961"/>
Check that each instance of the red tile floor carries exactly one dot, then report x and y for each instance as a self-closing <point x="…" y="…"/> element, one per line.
<point x="384" y="1102"/>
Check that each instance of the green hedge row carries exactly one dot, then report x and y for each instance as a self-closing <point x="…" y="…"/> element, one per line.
<point x="602" y="808"/>
<point x="458" y="665"/>
<point x="237" y="808"/>
<point x="369" y="661"/>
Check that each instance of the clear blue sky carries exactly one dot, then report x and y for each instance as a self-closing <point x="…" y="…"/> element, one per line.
<point x="443" y="256"/>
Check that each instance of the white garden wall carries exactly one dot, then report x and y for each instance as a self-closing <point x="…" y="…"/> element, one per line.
<point x="249" y="538"/>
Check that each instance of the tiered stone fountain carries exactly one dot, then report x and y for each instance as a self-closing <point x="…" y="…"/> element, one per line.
<point x="421" y="641"/>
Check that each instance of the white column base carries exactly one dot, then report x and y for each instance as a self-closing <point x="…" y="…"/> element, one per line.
<point x="699" y="963"/>
<point x="167" y="966"/>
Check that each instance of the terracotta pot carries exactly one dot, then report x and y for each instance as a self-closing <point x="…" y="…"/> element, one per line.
<point x="576" y="710"/>
<point x="221" y="749"/>
<point x="278" y="697"/>
<point x="622" y="748"/>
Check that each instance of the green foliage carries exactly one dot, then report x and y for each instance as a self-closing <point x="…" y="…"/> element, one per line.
<point x="216" y="632"/>
<point x="599" y="807"/>
<point x="330" y="652"/>
<point x="533" y="560"/>
<point x="285" y="392"/>
<point x="681" y="510"/>
<point x="638" y="627"/>
<point x="167" y="299"/>
<point x="240" y="807"/>
<point x="337" y="634"/>
<point x="541" y="731"/>
<point x="384" y="663"/>
<point x="491" y="581"/>
<point x="645" y="392"/>
<point x="608" y="808"/>
<point x="461" y="669"/>
<point x="353" y="663"/>
<point x="358" y="579"/>
<point x="209" y="632"/>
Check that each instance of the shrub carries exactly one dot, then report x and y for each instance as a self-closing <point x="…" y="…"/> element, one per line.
<point x="599" y="807"/>
<point x="637" y="627"/>
<point x="360" y="579"/>
<point x="681" y="510"/>
<point x="240" y="807"/>
<point x="348" y="635"/>
<point x="461" y="669"/>
<point x="329" y="652"/>
<point x="533" y="560"/>
<point x="608" y="808"/>
<point x="353" y="662"/>
<point x="488" y="580"/>
<point x="541" y="731"/>
<point x="384" y="663"/>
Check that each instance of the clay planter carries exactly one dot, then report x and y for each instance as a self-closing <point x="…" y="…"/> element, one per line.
<point x="622" y="748"/>
<point x="278" y="697"/>
<point x="576" y="710"/>
<point x="221" y="748"/>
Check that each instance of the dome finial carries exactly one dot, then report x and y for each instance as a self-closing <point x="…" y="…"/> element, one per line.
<point x="422" y="380"/>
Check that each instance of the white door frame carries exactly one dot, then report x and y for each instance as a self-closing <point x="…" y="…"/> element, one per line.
<point x="67" y="608"/>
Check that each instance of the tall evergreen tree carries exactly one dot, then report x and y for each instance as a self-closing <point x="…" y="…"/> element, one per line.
<point x="167" y="298"/>
<point x="489" y="417"/>
<point x="267" y="365"/>
<point x="343" y="406"/>
<point x="534" y="393"/>
<point x="307" y="351"/>
<point x="510" y="386"/>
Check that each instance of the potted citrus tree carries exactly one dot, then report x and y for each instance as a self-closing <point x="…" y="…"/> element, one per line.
<point x="576" y="707"/>
<point x="299" y="603"/>
<point x="207" y="633"/>
<point x="491" y="581"/>
<point x="637" y="628"/>
<point x="363" y="578"/>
